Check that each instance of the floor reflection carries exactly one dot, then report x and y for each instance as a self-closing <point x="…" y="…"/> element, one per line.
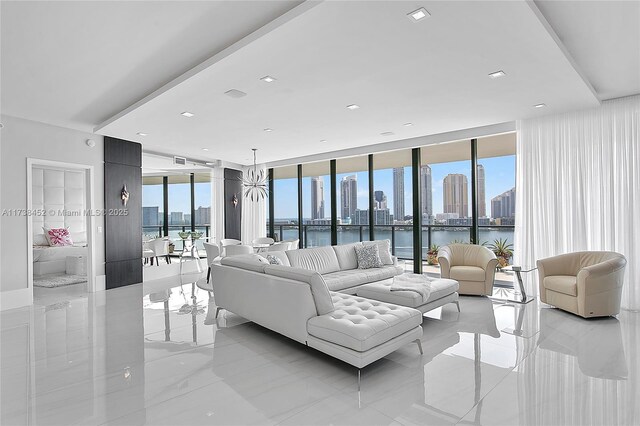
<point x="595" y="343"/>
<point x="155" y="354"/>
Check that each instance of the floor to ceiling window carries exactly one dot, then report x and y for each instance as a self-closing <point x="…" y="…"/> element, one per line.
<point x="316" y="204"/>
<point x="352" y="184"/>
<point x="393" y="201"/>
<point x="152" y="206"/>
<point x="202" y="205"/>
<point x="445" y="185"/>
<point x="285" y="199"/>
<point x="497" y="157"/>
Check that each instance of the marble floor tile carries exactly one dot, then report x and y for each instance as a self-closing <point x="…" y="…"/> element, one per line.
<point x="154" y="354"/>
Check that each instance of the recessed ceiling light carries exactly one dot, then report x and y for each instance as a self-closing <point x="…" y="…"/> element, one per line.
<point x="497" y="74"/>
<point x="205" y="149"/>
<point x="353" y="106"/>
<point x="268" y="79"/>
<point x="418" y="15"/>
<point x="235" y="93"/>
<point x="268" y="130"/>
<point x="208" y="163"/>
<point x="540" y="105"/>
<point x="142" y="134"/>
<point x="187" y="114"/>
<point x="323" y="140"/>
<point x="408" y="124"/>
<point x="387" y="133"/>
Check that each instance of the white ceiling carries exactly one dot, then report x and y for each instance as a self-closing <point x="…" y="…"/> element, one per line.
<point x="603" y="38"/>
<point x="77" y="64"/>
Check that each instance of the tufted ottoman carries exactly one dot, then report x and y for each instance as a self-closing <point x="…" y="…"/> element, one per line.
<point x="443" y="291"/>
<point x="360" y="331"/>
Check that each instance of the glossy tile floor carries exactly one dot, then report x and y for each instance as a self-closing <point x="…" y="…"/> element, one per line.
<point x="153" y="354"/>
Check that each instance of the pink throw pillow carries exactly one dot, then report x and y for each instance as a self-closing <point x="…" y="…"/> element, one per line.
<point x="58" y="237"/>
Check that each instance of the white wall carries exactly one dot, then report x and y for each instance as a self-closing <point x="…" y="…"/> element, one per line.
<point x="19" y="140"/>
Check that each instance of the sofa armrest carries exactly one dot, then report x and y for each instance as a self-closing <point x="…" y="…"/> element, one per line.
<point x="601" y="277"/>
<point x="444" y="260"/>
<point x="395" y="260"/>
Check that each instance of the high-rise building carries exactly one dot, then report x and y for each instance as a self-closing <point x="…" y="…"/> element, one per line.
<point x="317" y="198"/>
<point x="203" y="216"/>
<point x="427" y="191"/>
<point x="380" y="200"/>
<point x="349" y="196"/>
<point x="482" y="202"/>
<point x="150" y="216"/>
<point x="504" y="205"/>
<point x="455" y="195"/>
<point x="176" y="218"/>
<point x="398" y="193"/>
<point x="380" y="217"/>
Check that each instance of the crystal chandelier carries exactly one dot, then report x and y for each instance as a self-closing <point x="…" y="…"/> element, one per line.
<point x="255" y="183"/>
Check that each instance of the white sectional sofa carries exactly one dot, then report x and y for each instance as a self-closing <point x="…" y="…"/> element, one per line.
<point x="298" y="299"/>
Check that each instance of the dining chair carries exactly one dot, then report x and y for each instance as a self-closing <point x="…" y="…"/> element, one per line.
<point x="280" y="246"/>
<point x="293" y="244"/>
<point x="263" y="240"/>
<point x="159" y="247"/>
<point x="225" y="242"/>
<point x="213" y="255"/>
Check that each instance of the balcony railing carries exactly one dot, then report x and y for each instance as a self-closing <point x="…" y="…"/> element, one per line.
<point x="401" y="236"/>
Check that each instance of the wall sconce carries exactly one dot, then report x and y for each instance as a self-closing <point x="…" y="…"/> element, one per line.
<point x="124" y="195"/>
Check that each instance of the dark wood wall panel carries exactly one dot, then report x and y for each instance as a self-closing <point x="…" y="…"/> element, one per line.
<point x="232" y="215"/>
<point x="123" y="243"/>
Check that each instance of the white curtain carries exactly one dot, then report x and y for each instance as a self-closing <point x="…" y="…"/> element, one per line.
<point x="254" y="214"/>
<point x="217" y="201"/>
<point x="578" y="186"/>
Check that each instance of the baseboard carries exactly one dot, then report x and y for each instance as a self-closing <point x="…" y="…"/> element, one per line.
<point x="16" y="298"/>
<point x="100" y="282"/>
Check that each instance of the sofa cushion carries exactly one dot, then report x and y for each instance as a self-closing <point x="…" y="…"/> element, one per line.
<point x="320" y="259"/>
<point x="281" y="255"/>
<point x="362" y="324"/>
<point x="565" y="284"/>
<point x="384" y="249"/>
<point x="346" y="254"/>
<point x="440" y="287"/>
<point x="252" y="262"/>
<point x="467" y="273"/>
<point x="319" y="289"/>
<point x="368" y="256"/>
<point x="341" y="280"/>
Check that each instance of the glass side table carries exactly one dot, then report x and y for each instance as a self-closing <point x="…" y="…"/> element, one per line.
<point x="189" y="249"/>
<point x="513" y="295"/>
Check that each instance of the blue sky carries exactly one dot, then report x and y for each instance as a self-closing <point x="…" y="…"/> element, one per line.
<point x="179" y="196"/>
<point x="499" y="177"/>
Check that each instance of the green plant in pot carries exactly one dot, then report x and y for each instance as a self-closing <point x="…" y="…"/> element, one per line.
<point x="432" y="254"/>
<point x="503" y="251"/>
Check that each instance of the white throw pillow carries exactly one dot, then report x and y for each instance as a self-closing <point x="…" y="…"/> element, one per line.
<point x="273" y="260"/>
<point x="384" y="248"/>
<point x="40" y="240"/>
<point x="368" y="256"/>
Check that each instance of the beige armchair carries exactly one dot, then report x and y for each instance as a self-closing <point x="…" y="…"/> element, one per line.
<point x="473" y="266"/>
<point x="586" y="283"/>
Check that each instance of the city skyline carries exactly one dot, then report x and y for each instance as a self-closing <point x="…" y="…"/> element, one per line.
<point x="499" y="177"/>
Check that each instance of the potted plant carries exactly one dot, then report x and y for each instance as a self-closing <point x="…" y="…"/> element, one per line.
<point x="432" y="254"/>
<point x="503" y="251"/>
